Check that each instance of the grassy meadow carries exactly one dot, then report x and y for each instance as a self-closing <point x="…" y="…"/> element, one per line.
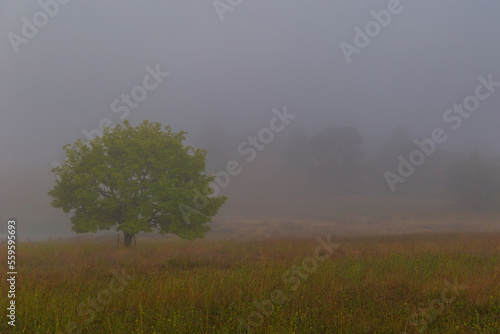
<point x="430" y="282"/>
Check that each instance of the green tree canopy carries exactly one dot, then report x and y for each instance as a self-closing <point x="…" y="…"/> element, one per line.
<point x="135" y="179"/>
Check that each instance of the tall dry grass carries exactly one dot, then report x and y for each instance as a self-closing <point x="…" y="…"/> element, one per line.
<point x="369" y="285"/>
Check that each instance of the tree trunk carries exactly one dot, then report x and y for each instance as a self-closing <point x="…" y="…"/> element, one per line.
<point x="128" y="239"/>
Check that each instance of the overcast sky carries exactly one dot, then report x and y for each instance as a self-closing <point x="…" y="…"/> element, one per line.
<point x="263" y="55"/>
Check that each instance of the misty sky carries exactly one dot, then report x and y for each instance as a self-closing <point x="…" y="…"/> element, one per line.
<point x="265" y="54"/>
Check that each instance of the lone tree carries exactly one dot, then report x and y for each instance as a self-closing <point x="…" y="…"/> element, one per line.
<point x="136" y="179"/>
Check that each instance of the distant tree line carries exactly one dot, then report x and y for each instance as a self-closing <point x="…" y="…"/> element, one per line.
<point x="333" y="160"/>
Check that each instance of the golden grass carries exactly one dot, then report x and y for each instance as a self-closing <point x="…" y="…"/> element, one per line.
<point x="369" y="285"/>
